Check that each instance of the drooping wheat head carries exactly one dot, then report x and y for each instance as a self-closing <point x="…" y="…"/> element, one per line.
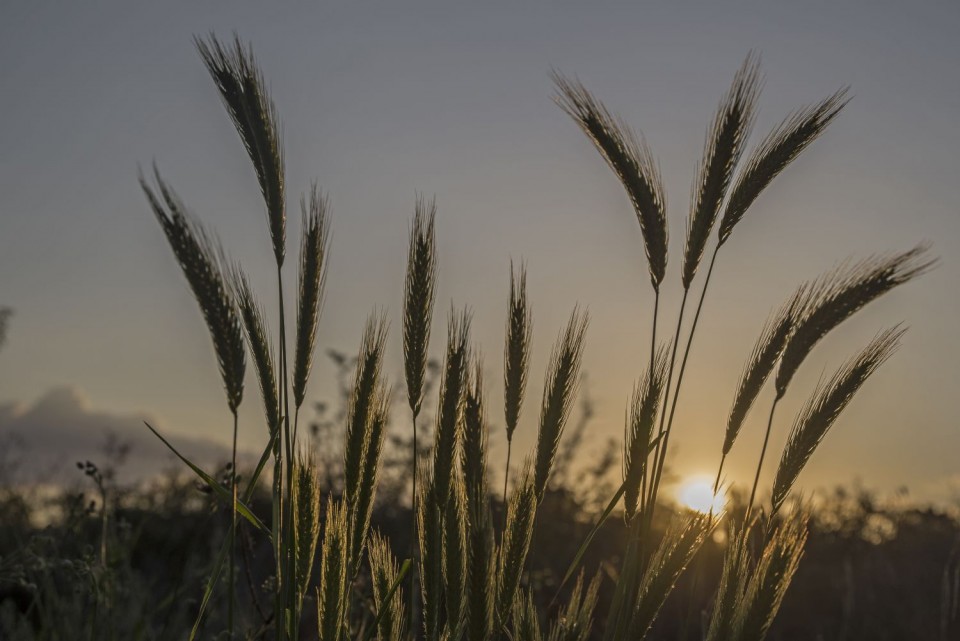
<point x="202" y="261"/>
<point x="630" y="159"/>
<point x="842" y="292"/>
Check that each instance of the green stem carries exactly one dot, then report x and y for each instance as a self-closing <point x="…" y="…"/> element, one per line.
<point x="414" y="540"/>
<point x="661" y="449"/>
<point x="683" y="366"/>
<point x="763" y="452"/>
<point x="233" y="530"/>
<point x="506" y="480"/>
<point x="287" y="549"/>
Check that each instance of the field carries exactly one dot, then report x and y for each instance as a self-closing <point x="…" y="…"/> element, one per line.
<point x="378" y="514"/>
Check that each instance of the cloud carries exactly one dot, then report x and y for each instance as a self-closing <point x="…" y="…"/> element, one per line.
<point x="42" y="442"/>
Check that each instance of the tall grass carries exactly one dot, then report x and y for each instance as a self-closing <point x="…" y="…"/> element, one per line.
<point x="469" y="580"/>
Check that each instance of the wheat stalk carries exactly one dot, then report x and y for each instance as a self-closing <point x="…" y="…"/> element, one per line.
<point x="430" y="528"/>
<point x="455" y="555"/>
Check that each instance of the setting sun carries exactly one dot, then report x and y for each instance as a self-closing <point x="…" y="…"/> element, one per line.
<point x="697" y="494"/>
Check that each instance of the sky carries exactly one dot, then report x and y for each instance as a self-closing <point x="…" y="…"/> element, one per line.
<point x="379" y="103"/>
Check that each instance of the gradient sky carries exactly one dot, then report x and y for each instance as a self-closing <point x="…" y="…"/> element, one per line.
<point x="380" y="102"/>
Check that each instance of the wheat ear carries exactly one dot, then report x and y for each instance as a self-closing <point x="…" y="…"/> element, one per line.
<point x="774" y="153"/>
<point x="383" y="574"/>
<point x="524" y="618"/>
<point x="733" y="584"/>
<point x="576" y="619"/>
<point x="763" y="359"/>
<point x="559" y="391"/>
<point x="450" y="411"/>
<point x="826" y="404"/>
<point x="640" y="423"/>
<point x="260" y="344"/>
<point x="243" y="91"/>
<point x="722" y="151"/>
<point x="363" y="403"/>
<point x="419" y="295"/>
<point x="629" y="157"/>
<point x="313" y="253"/>
<point x="518" y="530"/>
<point x="771" y="578"/>
<point x="332" y="592"/>
<point x="677" y="549"/>
<point x="481" y="567"/>
<point x="201" y="261"/>
<point x="307" y="507"/>
<point x="430" y="528"/>
<point x="841" y="293"/>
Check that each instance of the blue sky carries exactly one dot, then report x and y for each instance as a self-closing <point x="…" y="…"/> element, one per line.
<point x="380" y="102"/>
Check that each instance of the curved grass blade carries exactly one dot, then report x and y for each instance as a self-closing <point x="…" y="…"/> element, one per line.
<point x="221" y="491"/>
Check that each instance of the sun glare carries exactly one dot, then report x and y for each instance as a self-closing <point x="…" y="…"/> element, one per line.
<point x="697" y="494"/>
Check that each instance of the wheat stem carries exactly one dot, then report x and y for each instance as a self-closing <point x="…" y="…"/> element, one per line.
<point x="763" y="453"/>
<point x="233" y="529"/>
<point x="661" y="450"/>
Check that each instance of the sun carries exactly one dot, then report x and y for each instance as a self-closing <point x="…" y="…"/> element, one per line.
<point x="697" y="494"/>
